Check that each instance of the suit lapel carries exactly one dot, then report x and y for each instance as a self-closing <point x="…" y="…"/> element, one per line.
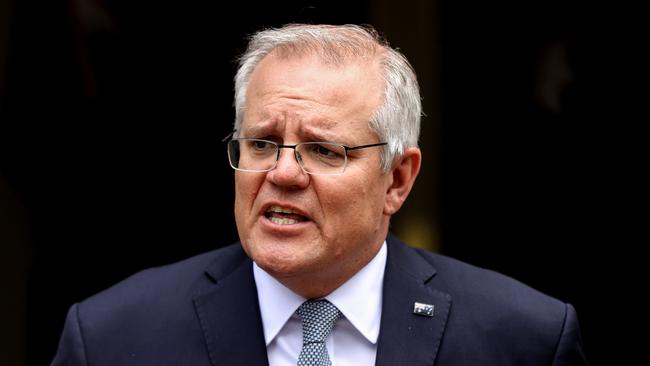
<point x="229" y="312"/>
<point x="406" y="338"/>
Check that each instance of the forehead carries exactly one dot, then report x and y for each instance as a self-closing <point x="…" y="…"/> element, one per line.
<point x="305" y="93"/>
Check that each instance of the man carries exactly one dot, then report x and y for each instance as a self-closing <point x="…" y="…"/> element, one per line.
<point x="325" y="152"/>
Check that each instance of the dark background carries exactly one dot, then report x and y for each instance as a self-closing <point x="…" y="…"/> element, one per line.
<point x="112" y="114"/>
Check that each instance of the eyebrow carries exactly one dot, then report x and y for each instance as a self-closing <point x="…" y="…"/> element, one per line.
<point x="321" y="135"/>
<point x="255" y="131"/>
<point x="309" y="132"/>
<point x="259" y="129"/>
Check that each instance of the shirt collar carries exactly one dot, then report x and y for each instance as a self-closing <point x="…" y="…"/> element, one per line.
<point x="277" y="303"/>
<point x="359" y="299"/>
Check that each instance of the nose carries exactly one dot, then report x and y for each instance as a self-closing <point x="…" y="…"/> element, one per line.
<point x="287" y="172"/>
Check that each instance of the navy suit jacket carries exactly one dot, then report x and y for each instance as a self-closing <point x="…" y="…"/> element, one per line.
<point x="204" y="311"/>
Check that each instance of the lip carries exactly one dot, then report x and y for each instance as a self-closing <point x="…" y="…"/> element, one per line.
<point x="283" y="230"/>
<point x="299" y="211"/>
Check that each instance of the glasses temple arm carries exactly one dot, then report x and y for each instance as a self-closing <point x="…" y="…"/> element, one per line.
<point x="229" y="136"/>
<point x="365" y="146"/>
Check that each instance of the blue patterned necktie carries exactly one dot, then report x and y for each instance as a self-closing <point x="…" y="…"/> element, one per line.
<point x="318" y="319"/>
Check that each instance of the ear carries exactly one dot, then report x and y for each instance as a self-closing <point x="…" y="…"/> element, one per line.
<point x="402" y="177"/>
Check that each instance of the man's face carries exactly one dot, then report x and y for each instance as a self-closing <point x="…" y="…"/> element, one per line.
<point x="337" y="223"/>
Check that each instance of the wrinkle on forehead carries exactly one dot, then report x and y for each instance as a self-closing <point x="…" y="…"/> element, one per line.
<point x="307" y="99"/>
<point x="302" y="79"/>
<point x="312" y="128"/>
<point x="309" y="116"/>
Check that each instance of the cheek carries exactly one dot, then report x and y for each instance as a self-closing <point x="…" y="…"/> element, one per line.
<point x="352" y="202"/>
<point x="246" y="188"/>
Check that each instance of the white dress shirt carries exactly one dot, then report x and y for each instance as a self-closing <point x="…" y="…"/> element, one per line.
<point x="353" y="341"/>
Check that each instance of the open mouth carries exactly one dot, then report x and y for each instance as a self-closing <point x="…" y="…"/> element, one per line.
<point x="284" y="216"/>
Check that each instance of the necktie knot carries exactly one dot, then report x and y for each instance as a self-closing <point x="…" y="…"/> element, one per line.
<point x="318" y="319"/>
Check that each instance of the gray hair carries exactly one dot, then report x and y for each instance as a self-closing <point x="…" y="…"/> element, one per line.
<point x="396" y="121"/>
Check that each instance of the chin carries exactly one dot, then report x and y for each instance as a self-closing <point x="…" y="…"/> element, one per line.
<point x="278" y="257"/>
<point x="281" y="267"/>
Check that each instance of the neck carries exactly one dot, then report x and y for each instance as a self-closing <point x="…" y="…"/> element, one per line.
<point x="318" y="284"/>
<point x="312" y="289"/>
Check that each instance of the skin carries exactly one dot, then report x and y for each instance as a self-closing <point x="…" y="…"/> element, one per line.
<point x="299" y="99"/>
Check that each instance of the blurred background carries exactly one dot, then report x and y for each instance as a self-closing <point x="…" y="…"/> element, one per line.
<point x="112" y="113"/>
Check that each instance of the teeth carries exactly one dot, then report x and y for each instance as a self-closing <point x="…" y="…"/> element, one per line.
<point x="282" y="210"/>
<point x="283" y="221"/>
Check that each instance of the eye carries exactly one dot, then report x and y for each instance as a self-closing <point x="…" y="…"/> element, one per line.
<point x="324" y="151"/>
<point x="260" y="145"/>
<point x="321" y="156"/>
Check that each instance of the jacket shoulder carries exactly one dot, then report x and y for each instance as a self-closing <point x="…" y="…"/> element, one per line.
<point x="464" y="280"/>
<point x="158" y="291"/>
<point x="498" y="311"/>
<point x="493" y="290"/>
<point x="502" y="316"/>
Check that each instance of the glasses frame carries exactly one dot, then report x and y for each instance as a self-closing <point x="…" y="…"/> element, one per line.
<point x="296" y="154"/>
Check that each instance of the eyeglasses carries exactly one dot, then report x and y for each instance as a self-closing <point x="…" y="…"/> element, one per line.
<point x="318" y="158"/>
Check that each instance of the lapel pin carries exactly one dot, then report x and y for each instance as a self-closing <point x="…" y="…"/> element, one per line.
<point x="422" y="309"/>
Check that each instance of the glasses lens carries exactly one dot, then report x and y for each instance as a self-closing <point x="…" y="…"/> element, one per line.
<point x="322" y="157"/>
<point x="252" y="154"/>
